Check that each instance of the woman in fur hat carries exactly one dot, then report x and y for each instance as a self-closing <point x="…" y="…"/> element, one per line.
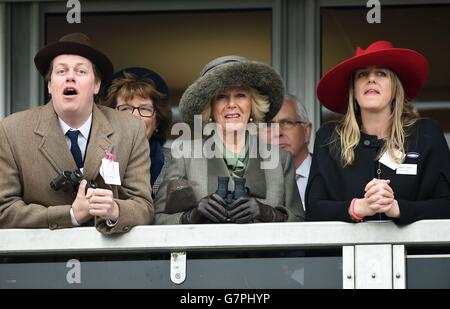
<point x="230" y="93"/>
<point x="144" y="93"/>
<point x="381" y="161"/>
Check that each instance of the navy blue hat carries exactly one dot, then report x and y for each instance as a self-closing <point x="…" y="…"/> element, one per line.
<point x="143" y="73"/>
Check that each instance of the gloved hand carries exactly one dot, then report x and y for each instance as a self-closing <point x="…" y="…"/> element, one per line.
<point x="248" y="209"/>
<point x="211" y="207"/>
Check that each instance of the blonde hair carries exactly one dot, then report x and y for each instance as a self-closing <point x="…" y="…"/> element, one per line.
<point x="260" y="106"/>
<point x="402" y="117"/>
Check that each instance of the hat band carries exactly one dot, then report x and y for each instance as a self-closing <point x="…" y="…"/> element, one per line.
<point x="220" y="63"/>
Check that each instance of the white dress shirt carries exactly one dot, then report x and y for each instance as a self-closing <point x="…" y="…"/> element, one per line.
<point x="302" y="173"/>
<point x="85" y="129"/>
<point x="83" y="137"/>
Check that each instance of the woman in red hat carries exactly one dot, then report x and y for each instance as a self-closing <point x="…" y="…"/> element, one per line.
<point x="381" y="161"/>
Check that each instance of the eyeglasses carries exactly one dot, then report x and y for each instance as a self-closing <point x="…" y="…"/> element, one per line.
<point x="289" y="124"/>
<point x="144" y="111"/>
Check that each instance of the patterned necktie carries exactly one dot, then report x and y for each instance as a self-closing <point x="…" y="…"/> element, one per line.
<point x="74" y="148"/>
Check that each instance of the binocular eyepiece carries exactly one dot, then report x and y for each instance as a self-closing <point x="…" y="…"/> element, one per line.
<point x="231" y="196"/>
<point x="70" y="180"/>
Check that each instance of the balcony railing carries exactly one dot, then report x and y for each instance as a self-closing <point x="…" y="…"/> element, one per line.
<point x="269" y="255"/>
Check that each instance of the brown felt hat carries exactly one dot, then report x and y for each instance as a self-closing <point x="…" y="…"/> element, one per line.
<point x="73" y="44"/>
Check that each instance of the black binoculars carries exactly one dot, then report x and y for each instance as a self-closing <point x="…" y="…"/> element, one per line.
<point x="231" y="196"/>
<point x="70" y="181"/>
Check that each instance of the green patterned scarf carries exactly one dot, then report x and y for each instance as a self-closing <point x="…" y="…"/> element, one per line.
<point x="237" y="163"/>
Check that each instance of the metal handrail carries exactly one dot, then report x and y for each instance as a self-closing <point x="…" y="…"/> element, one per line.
<point x="168" y="238"/>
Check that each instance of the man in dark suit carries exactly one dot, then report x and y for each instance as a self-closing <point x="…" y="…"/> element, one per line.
<point x="72" y="133"/>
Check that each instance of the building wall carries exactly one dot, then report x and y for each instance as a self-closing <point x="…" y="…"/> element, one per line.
<point x="297" y="47"/>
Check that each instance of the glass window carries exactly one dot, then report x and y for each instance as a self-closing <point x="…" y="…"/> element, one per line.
<point x="428" y="271"/>
<point x="231" y="270"/>
<point x="175" y="44"/>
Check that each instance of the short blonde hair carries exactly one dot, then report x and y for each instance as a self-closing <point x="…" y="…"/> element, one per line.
<point x="260" y="106"/>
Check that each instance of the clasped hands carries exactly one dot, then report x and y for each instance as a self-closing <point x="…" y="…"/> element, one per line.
<point x="94" y="202"/>
<point x="378" y="198"/>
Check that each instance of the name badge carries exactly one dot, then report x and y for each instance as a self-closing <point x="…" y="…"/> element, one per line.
<point x="110" y="172"/>
<point x="407" y="169"/>
<point x="387" y="160"/>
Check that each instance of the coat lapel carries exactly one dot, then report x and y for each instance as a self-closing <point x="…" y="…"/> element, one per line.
<point x="53" y="145"/>
<point x="216" y="167"/>
<point x="55" y="149"/>
<point x="99" y="143"/>
<point x="254" y="175"/>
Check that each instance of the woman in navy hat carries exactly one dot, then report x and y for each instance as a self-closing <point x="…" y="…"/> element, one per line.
<point x="144" y="93"/>
<point x="381" y="161"/>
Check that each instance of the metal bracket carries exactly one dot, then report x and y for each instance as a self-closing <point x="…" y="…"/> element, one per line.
<point x="178" y="267"/>
<point x="399" y="266"/>
<point x="373" y="266"/>
<point x="348" y="267"/>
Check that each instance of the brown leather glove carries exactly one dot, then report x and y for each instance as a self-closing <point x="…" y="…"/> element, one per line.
<point x="248" y="209"/>
<point x="210" y="209"/>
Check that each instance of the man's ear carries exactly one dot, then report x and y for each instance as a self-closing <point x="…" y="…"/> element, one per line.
<point x="97" y="86"/>
<point x="48" y="87"/>
<point x="308" y="131"/>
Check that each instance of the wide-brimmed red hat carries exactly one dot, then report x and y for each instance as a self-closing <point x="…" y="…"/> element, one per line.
<point x="410" y="66"/>
<point x="73" y="44"/>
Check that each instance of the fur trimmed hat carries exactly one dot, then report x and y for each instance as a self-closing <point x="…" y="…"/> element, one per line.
<point x="229" y="72"/>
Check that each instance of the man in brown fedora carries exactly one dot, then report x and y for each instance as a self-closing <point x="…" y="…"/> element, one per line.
<point x="46" y="151"/>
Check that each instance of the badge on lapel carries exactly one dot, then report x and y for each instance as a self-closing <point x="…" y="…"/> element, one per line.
<point x="413" y="155"/>
<point x="109" y="170"/>
<point x="409" y="169"/>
